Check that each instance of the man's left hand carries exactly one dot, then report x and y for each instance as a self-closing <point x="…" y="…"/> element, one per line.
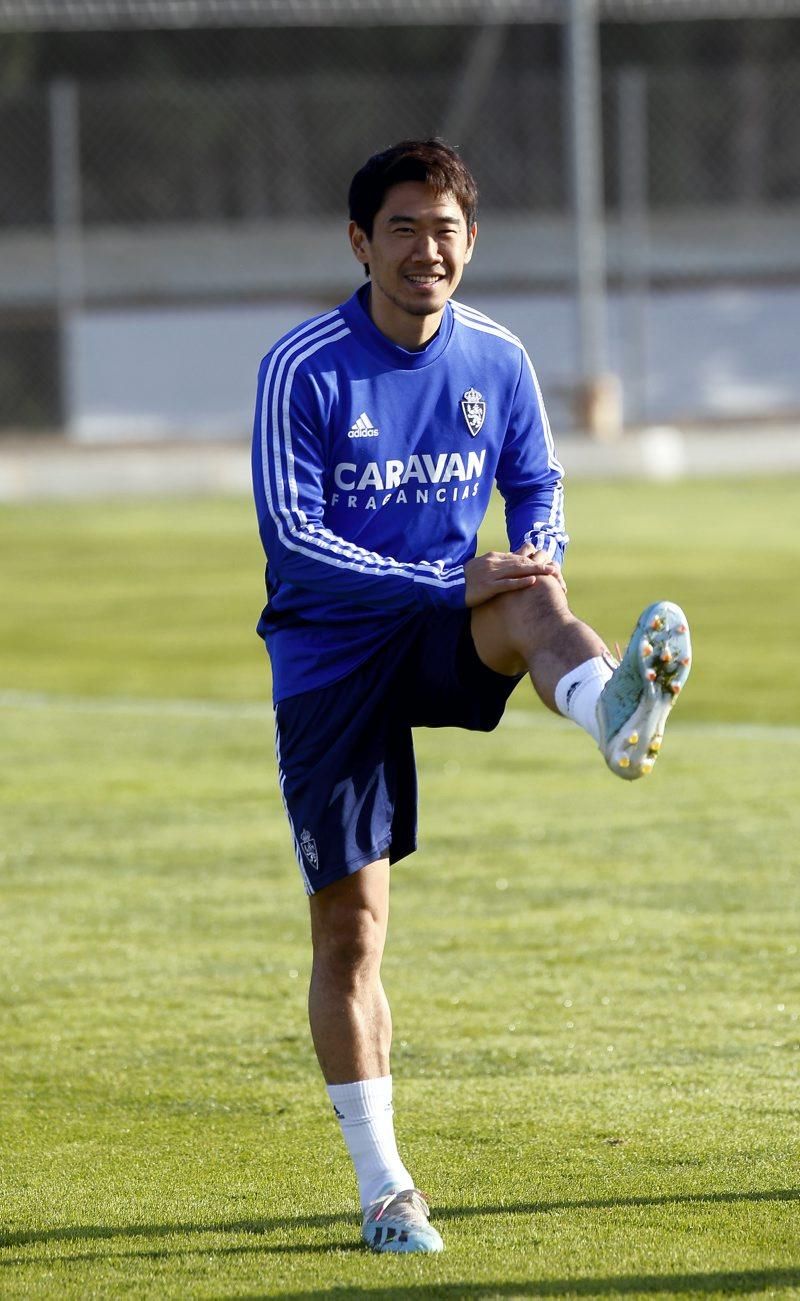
<point x="541" y="557"/>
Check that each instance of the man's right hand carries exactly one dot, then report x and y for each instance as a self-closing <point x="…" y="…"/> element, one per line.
<point x="496" y="572"/>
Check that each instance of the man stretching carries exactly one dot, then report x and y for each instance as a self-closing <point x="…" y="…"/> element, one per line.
<point x="380" y="429"/>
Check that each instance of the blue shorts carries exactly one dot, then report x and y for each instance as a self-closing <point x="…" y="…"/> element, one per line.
<point x="346" y="754"/>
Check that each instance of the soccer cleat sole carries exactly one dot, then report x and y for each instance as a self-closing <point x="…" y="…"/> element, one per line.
<point x="664" y="655"/>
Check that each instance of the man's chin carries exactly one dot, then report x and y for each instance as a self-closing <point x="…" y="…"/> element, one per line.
<point x="430" y="308"/>
<point x="416" y="309"/>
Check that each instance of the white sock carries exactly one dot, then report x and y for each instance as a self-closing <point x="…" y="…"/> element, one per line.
<point x="365" y="1113"/>
<point x="578" y="691"/>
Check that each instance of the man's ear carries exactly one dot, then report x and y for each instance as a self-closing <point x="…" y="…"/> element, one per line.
<point x="472" y="236"/>
<point x="358" y="242"/>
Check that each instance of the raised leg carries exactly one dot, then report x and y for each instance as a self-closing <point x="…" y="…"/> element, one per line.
<point x="534" y="630"/>
<point x="625" y="711"/>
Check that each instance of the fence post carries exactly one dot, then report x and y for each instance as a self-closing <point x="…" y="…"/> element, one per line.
<point x="633" y="201"/>
<point x="474" y="81"/>
<point x="65" y="182"/>
<point x="599" y="395"/>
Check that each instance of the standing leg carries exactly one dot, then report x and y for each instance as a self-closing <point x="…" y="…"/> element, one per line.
<point x="351" y="1026"/>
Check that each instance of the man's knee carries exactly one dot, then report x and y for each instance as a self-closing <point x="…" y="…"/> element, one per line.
<point x="507" y="629"/>
<point x="546" y="597"/>
<point x="348" y="928"/>
<point x="348" y="944"/>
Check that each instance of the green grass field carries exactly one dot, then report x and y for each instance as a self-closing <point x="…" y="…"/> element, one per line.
<point x="595" y="985"/>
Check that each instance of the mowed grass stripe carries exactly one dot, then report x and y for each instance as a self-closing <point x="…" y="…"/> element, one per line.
<point x="513" y="717"/>
<point x="160" y="599"/>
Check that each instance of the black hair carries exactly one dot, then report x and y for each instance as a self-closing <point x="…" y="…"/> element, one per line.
<point x="432" y="162"/>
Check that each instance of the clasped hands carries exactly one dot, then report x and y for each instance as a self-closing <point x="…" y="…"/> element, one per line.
<point x="496" y="572"/>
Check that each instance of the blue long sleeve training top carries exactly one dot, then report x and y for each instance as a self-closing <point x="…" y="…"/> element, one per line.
<point x="373" y="468"/>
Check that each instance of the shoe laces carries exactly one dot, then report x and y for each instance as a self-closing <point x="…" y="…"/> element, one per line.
<point x="411" y="1196"/>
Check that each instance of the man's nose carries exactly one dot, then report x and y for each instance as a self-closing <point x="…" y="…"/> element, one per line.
<point x="426" y="248"/>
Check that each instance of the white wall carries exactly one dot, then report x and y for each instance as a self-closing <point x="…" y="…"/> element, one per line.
<point x="178" y="373"/>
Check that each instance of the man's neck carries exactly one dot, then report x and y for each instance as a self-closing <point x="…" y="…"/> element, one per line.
<point x="410" y="332"/>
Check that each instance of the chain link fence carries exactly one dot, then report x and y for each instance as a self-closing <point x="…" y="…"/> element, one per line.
<point x="209" y="182"/>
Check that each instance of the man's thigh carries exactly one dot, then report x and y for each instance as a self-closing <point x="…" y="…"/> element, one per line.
<point x="444" y="682"/>
<point x="347" y="775"/>
<point x="345" y="752"/>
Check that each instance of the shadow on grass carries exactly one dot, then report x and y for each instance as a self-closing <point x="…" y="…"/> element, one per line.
<point x="267" y="1224"/>
<point x="86" y="1232"/>
<point x="734" y="1284"/>
<point x="607" y="1204"/>
<point x="196" y="1249"/>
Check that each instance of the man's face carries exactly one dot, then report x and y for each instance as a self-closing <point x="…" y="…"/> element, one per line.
<point x="419" y="247"/>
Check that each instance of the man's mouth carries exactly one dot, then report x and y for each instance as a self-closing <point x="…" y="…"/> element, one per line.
<point x="424" y="280"/>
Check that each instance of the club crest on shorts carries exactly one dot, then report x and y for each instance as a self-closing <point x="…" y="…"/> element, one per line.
<point x="309" y="847"/>
<point x="474" y="408"/>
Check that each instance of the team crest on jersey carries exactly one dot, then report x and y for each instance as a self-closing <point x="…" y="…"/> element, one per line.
<point x="309" y="847"/>
<point x="474" y="408"/>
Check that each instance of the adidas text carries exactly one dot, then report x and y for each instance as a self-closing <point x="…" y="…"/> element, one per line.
<point x="363" y="428"/>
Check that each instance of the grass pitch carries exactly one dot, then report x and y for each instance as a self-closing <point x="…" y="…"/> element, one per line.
<point x="594" y="984"/>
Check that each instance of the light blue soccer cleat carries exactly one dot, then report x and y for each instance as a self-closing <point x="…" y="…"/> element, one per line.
<point x="633" y="707"/>
<point x="400" y="1222"/>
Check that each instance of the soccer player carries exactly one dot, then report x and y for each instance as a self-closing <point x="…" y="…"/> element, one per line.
<point x="380" y="429"/>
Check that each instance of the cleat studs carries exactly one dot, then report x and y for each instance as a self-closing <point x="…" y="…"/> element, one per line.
<point x="633" y="738"/>
<point x="675" y="688"/>
<point x="650" y="675"/>
<point x="666" y="656"/>
<point x="623" y="761"/>
<point x="647" y="649"/>
<point x="647" y="766"/>
<point x="681" y="628"/>
<point x="687" y="661"/>
<point x="657" y="623"/>
<point x="655" y="745"/>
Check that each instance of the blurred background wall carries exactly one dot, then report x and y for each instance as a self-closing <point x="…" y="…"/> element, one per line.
<point x="173" y="181"/>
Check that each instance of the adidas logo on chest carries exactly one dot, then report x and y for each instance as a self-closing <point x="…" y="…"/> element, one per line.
<point x="363" y="428"/>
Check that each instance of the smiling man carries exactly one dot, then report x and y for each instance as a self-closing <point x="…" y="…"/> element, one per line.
<point x="414" y="250"/>
<point x="381" y="428"/>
